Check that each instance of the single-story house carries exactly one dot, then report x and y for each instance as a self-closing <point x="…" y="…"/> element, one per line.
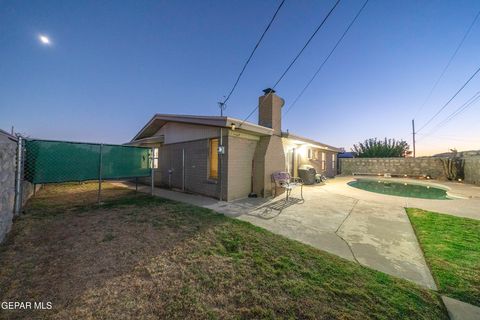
<point x="226" y="158"/>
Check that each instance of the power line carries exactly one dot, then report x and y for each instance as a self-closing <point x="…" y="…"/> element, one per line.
<point x="253" y="52"/>
<point x="455" y="113"/>
<point x="295" y="59"/>
<point x="450" y="100"/>
<point x="448" y="64"/>
<point x="326" y="59"/>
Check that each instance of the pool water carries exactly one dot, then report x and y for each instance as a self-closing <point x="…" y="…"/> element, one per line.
<point x="400" y="189"/>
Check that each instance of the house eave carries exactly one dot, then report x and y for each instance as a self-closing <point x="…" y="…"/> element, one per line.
<point x="320" y="145"/>
<point x="159" y="120"/>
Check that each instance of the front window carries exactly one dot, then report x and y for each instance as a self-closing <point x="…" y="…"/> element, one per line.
<point x="333" y="161"/>
<point x="213" y="159"/>
<point x="323" y="161"/>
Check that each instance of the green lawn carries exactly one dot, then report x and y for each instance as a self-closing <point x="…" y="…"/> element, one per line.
<point x="142" y="257"/>
<point x="452" y="249"/>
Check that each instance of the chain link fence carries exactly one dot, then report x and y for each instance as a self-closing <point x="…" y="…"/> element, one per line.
<point x="87" y="171"/>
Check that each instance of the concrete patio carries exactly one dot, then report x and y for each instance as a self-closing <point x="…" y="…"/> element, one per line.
<point x="369" y="228"/>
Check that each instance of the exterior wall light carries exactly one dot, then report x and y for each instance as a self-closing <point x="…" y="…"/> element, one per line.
<point x="233" y="127"/>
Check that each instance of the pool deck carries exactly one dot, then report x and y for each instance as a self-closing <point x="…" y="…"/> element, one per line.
<point x="466" y="203"/>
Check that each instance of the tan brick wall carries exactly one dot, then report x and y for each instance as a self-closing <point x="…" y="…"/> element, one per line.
<point x="270" y="112"/>
<point x="240" y="156"/>
<point x="269" y="157"/>
<point x="329" y="171"/>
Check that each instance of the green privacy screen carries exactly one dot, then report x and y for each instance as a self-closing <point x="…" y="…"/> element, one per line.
<point x="60" y="161"/>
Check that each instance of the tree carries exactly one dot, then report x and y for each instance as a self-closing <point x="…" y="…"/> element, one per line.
<point x="375" y="148"/>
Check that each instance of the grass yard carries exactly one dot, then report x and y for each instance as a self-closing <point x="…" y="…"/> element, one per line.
<point x="452" y="249"/>
<point x="141" y="257"/>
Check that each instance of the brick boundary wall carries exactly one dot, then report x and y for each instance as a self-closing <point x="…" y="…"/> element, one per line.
<point x="8" y="157"/>
<point x="7" y="186"/>
<point x="472" y="169"/>
<point x="397" y="166"/>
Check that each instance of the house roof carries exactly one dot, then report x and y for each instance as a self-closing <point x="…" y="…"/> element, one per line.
<point x="159" y="120"/>
<point x="292" y="136"/>
<point x="8" y="135"/>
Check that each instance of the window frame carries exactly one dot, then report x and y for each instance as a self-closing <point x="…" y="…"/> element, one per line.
<point x="156" y="152"/>
<point x="213" y="151"/>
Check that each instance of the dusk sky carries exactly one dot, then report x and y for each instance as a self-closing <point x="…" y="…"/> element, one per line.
<point x="111" y="65"/>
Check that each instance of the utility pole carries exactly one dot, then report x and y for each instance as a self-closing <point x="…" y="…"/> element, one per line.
<point x="413" y="134"/>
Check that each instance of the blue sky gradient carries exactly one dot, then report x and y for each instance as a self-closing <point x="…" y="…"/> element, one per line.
<point x="113" y="64"/>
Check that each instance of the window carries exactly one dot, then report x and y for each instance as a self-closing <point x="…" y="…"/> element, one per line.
<point x="333" y="161"/>
<point x="323" y="160"/>
<point x="309" y="154"/>
<point x="155" y="158"/>
<point x="213" y="159"/>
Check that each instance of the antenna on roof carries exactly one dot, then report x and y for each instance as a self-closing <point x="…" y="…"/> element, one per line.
<point x="222" y="106"/>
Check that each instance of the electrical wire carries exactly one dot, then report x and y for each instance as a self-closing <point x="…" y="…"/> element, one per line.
<point x="448" y="64"/>
<point x="326" y="59"/>
<point x="455" y="113"/>
<point x="252" y="53"/>
<point x="450" y="100"/>
<point x="294" y="59"/>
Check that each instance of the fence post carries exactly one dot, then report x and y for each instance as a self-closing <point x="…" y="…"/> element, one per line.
<point x="100" y="175"/>
<point x="19" y="178"/>
<point x="152" y="172"/>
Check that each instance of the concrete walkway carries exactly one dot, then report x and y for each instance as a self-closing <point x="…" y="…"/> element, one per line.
<point x="458" y="310"/>
<point x="369" y="228"/>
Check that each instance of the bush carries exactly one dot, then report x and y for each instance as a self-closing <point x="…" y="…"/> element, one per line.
<point x="375" y="148"/>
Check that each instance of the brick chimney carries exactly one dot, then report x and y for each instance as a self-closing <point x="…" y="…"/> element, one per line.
<point x="270" y="111"/>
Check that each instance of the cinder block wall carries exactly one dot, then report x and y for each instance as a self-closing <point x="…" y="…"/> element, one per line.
<point x="472" y="170"/>
<point x="410" y="166"/>
<point x="196" y="168"/>
<point x="7" y="186"/>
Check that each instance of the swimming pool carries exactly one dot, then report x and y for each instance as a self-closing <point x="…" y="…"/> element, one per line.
<point x="401" y="189"/>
